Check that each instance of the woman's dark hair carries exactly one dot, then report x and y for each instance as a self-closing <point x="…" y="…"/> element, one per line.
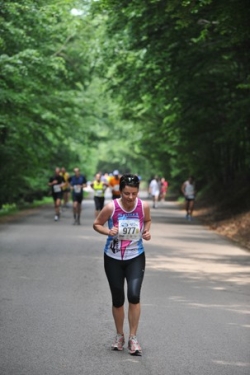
<point x="129" y="180"/>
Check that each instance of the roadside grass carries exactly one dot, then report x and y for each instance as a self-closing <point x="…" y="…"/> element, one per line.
<point x="13" y="208"/>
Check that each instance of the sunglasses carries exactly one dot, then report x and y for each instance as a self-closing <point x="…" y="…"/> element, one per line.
<point x="132" y="179"/>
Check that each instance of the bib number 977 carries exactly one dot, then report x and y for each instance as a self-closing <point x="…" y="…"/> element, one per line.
<point x="130" y="230"/>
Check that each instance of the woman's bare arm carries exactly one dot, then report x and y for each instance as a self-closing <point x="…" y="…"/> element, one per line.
<point x="102" y="218"/>
<point x="147" y="222"/>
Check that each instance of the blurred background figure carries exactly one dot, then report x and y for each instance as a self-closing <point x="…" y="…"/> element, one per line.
<point x="163" y="189"/>
<point x="56" y="183"/>
<point x="114" y="184"/>
<point x="99" y="188"/>
<point x="77" y="182"/>
<point x="66" y="187"/>
<point x="154" y="190"/>
<point x="188" y="190"/>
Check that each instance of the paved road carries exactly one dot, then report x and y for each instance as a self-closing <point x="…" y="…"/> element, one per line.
<point x="55" y="311"/>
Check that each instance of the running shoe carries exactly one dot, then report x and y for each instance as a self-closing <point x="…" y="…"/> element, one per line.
<point x="56" y="218"/>
<point x="133" y="346"/>
<point x="119" y="342"/>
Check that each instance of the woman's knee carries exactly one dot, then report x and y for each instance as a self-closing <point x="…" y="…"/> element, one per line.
<point x="118" y="302"/>
<point x="133" y="298"/>
<point x="118" y="298"/>
<point x="134" y="290"/>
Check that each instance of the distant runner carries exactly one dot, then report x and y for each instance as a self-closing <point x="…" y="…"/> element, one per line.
<point x="114" y="183"/>
<point x="77" y="182"/>
<point x="56" y="183"/>
<point x="188" y="190"/>
<point x="99" y="188"/>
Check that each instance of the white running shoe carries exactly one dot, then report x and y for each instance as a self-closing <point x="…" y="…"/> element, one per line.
<point x="133" y="346"/>
<point x="119" y="342"/>
<point x="56" y="218"/>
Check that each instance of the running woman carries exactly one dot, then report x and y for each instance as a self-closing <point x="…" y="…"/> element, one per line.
<point x="129" y="223"/>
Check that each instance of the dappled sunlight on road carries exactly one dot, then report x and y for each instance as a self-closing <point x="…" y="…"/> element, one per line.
<point x="192" y="251"/>
<point x="198" y="267"/>
<point x="240" y="309"/>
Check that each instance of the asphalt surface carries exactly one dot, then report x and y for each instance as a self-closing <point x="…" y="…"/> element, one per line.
<point x="55" y="305"/>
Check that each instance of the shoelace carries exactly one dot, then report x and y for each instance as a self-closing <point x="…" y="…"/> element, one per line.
<point x="133" y="338"/>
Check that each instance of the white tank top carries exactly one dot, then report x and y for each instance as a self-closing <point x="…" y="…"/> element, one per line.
<point x="189" y="190"/>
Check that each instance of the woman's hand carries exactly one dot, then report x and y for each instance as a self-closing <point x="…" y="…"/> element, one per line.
<point x="146" y="235"/>
<point x="113" y="231"/>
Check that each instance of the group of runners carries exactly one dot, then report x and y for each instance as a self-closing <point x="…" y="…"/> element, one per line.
<point x="61" y="184"/>
<point x="157" y="189"/>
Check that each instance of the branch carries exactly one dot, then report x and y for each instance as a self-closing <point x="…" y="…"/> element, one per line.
<point x="63" y="45"/>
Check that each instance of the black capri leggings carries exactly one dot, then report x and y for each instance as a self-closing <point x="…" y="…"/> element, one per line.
<point x="117" y="271"/>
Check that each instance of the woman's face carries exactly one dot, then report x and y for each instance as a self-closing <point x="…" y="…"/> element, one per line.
<point x="129" y="194"/>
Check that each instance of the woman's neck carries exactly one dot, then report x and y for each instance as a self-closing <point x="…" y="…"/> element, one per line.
<point x="127" y="206"/>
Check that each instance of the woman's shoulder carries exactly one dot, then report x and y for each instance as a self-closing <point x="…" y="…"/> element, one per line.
<point x="108" y="209"/>
<point x="110" y="205"/>
<point x="143" y="203"/>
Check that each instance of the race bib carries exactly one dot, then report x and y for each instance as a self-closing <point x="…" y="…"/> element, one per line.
<point x="77" y="189"/>
<point x="99" y="193"/>
<point x="129" y="229"/>
<point x="57" y="188"/>
<point x="116" y="188"/>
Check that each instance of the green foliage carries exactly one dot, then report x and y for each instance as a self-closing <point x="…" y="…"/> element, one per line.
<point x="180" y="70"/>
<point x="7" y="208"/>
<point x="47" y="113"/>
<point x="146" y="87"/>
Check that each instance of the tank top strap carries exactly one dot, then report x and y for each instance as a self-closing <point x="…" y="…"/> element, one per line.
<point x="139" y="206"/>
<point x="116" y="204"/>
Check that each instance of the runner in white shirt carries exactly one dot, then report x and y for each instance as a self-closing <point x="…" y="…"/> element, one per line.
<point x="188" y="190"/>
<point x="154" y="190"/>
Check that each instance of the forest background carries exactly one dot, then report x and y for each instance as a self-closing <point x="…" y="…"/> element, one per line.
<point x="148" y="87"/>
